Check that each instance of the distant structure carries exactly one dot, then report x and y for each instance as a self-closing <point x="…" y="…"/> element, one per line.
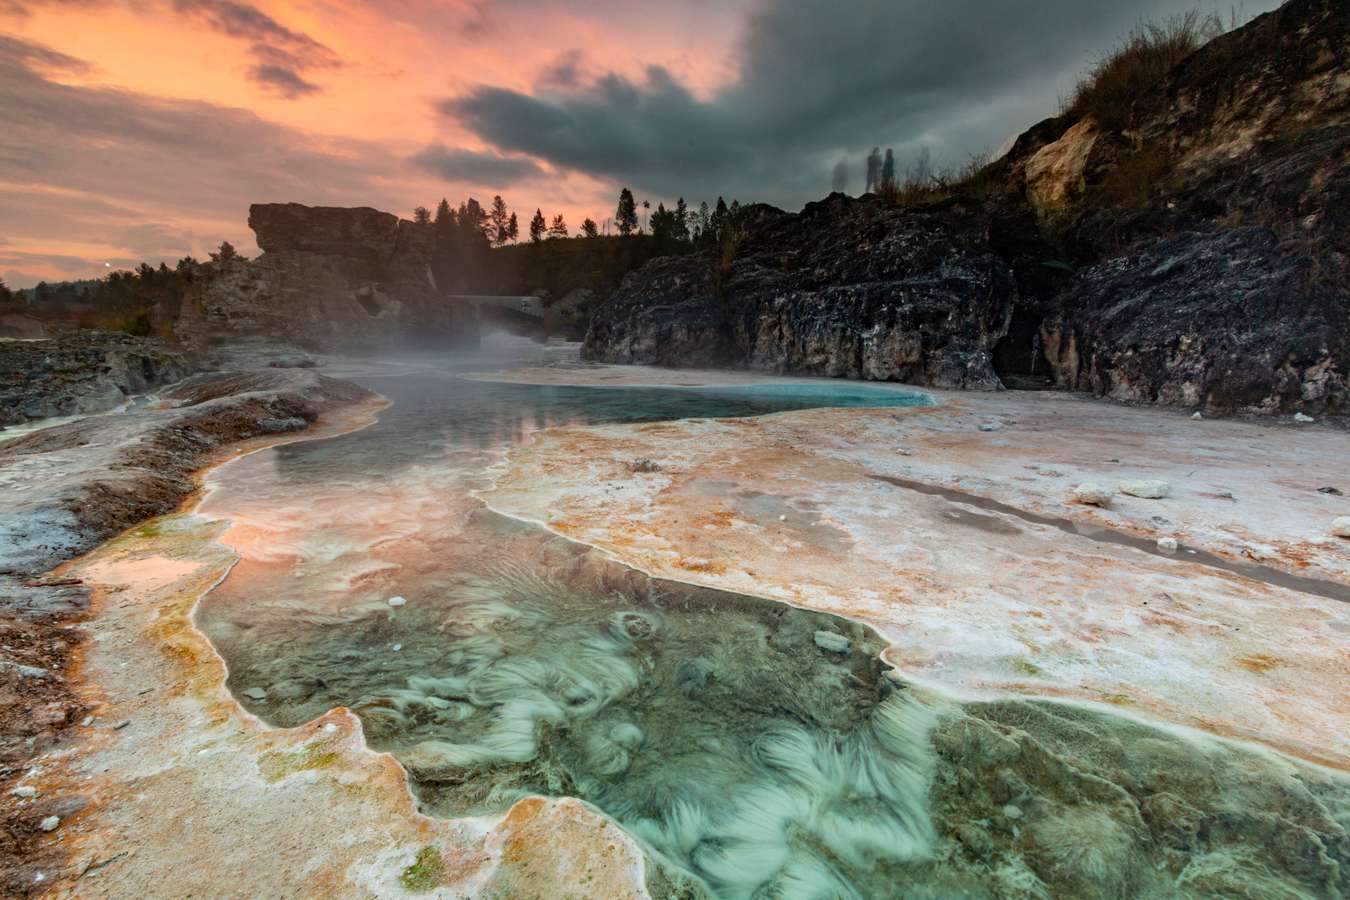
<point x="839" y="180"/>
<point x="873" y="170"/>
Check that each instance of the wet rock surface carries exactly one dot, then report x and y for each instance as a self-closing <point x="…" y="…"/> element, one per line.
<point x="851" y="288"/>
<point x="82" y="372"/>
<point x="68" y="488"/>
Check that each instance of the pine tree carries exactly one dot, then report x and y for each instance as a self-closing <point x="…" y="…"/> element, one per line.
<point x="680" y="229"/>
<point x="7" y="296"/>
<point x="472" y="217"/>
<point x="501" y="221"/>
<point x="422" y="215"/>
<point x="663" y="225"/>
<point x="590" y="229"/>
<point x="703" y="223"/>
<point x="626" y="217"/>
<point x="537" y="227"/>
<point x="718" y="220"/>
<point x="225" y="254"/>
<point x="558" y="227"/>
<point x="512" y="229"/>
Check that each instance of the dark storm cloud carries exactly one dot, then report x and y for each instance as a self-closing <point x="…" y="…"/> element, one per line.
<point x="282" y="54"/>
<point x="818" y="80"/>
<point x="469" y="167"/>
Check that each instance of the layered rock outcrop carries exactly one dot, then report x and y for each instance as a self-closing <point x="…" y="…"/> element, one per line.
<point x="852" y="288"/>
<point x="329" y="278"/>
<point x="82" y="372"/>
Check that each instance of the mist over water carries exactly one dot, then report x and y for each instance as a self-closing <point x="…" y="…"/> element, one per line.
<point x="757" y="750"/>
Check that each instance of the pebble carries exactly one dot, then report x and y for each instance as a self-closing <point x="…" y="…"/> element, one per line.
<point x="1197" y="416"/>
<point x="27" y="792"/>
<point x="834" y="643"/>
<point x="782" y="518"/>
<point x="255" y="693"/>
<point x="1012" y="811"/>
<point x="1335" y="492"/>
<point x="990" y="426"/>
<point x="50" y="823"/>
<point x="1092" y="495"/>
<point x="1148" y="490"/>
<point x="397" y="601"/>
<point x="1167" y="544"/>
<point x="1341" y="527"/>
<point x="1300" y="417"/>
<point x="396" y="647"/>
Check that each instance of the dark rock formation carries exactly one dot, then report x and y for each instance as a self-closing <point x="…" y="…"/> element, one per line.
<point x="82" y="372"/>
<point x="1220" y="320"/>
<point x="852" y="288"/>
<point x="1197" y="252"/>
<point x="329" y="278"/>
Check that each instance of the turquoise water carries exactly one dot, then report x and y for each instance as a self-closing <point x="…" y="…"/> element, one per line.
<point x="756" y="750"/>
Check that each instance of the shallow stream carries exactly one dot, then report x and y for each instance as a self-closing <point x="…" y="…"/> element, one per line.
<point x="757" y="750"/>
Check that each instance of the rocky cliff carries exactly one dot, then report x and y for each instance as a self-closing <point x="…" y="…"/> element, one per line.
<point x="329" y="278"/>
<point x="1194" y="251"/>
<point x="852" y="288"/>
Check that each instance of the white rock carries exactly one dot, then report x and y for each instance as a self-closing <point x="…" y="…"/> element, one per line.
<point x="255" y="693"/>
<point x="396" y="647"/>
<point x="1167" y="544"/>
<point x="1341" y="527"/>
<point x="27" y="792"/>
<point x="397" y="601"/>
<point x="50" y="823"/>
<point x="1149" y="490"/>
<point x="834" y="643"/>
<point x="1092" y="495"/>
<point x="782" y="518"/>
<point x="1197" y="416"/>
<point x="990" y="426"/>
<point x="1300" y="417"/>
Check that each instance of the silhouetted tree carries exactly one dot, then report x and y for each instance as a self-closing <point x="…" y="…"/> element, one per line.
<point x="558" y="227"/>
<point x="422" y="215"/>
<point x="680" y="227"/>
<point x="663" y="225"/>
<point x="590" y="229"/>
<point x="512" y="229"/>
<point x="225" y="254"/>
<point x="839" y="178"/>
<point x="473" y="217"/>
<point x="538" y="226"/>
<point x="501" y="221"/>
<point x="702" y="223"/>
<point x="718" y="221"/>
<point x="8" y="297"/>
<point x="626" y="217"/>
<point x="873" y="170"/>
<point x="888" y="171"/>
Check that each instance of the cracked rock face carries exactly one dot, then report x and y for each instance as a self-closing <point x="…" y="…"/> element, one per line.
<point x="1223" y="321"/>
<point x="848" y="288"/>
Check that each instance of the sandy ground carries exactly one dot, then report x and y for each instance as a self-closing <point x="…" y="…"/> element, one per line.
<point x="953" y="559"/>
<point x="185" y="794"/>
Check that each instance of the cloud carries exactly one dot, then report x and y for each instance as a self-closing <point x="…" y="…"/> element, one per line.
<point x="815" y="81"/>
<point x="38" y="57"/>
<point x="469" y="167"/>
<point x="81" y="165"/>
<point x="281" y="54"/>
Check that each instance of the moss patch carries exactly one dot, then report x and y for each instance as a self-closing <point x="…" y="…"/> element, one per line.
<point x="425" y="872"/>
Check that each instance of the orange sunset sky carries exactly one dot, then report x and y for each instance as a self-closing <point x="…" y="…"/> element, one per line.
<point x="142" y="130"/>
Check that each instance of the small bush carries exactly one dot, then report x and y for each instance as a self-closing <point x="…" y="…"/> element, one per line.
<point x="1110" y="88"/>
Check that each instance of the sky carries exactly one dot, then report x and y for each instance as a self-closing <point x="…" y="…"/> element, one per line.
<point x="136" y="130"/>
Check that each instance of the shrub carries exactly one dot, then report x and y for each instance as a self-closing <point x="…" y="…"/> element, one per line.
<point x="1110" y="88"/>
<point x="971" y="179"/>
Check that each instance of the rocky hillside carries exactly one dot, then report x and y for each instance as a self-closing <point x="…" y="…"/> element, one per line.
<point x="1193" y="250"/>
<point x="329" y="278"/>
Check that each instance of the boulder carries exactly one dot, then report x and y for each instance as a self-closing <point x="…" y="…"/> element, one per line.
<point x="1146" y="489"/>
<point x="1092" y="495"/>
